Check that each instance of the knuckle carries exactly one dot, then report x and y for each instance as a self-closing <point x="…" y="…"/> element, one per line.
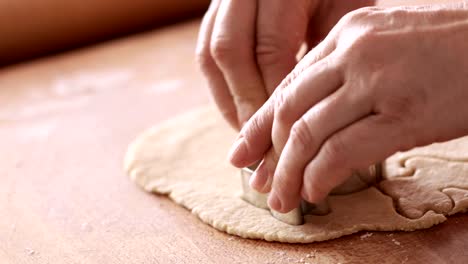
<point x="272" y="50"/>
<point x="301" y="136"/>
<point x="282" y="185"/>
<point x="253" y="128"/>
<point x="269" y="44"/>
<point x="223" y="51"/>
<point x="398" y="14"/>
<point x="360" y="14"/>
<point x="365" y="40"/>
<point x="360" y="31"/>
<point x="297" y="72"/>
<point x="281" y="111"/>
<point x="289" y="79"/>
<point x="358" y="49"/>
<point x="351" y="17"/>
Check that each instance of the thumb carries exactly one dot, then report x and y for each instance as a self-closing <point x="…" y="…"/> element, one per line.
<point x="359" y="145"/>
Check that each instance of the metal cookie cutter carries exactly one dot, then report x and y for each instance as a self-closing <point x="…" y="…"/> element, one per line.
<point x="358" y="181"/>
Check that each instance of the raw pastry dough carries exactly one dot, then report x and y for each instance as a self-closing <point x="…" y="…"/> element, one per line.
<point x="185" y="158"/>
<point x="434" y="178"/>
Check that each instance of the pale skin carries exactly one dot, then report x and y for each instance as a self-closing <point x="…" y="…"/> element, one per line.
<point x="383" y="80"/>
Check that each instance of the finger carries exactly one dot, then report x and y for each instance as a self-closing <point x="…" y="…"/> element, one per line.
<point x="366" y="142"/>
<point x="233" y="47"/>
<point x="254" y="140"/>
<point x="316" y="83"/>
<point x="279" y="39"/>
<point x="262" y="178"/>
<point x="216" y="83"/>
<point x="340" y="109"/>
<point x="318" y="59"/>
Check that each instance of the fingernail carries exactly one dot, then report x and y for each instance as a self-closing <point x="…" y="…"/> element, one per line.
<point x="274" y="202"/>
<point x="237" y="152"/>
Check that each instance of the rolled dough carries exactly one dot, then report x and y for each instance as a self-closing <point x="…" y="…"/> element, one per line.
<point x="185" y="158"/>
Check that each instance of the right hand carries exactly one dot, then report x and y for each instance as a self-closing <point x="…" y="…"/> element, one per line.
<point x="247" y="47"/>
<point x="370" y="89"/>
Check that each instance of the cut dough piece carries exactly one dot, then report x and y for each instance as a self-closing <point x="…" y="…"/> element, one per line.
<point x="185" y="158"/>
<point x="434" y="177"/>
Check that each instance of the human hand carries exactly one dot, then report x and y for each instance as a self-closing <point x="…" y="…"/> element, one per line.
<point x="246" y="47"/>
<point x="383" y="80"/>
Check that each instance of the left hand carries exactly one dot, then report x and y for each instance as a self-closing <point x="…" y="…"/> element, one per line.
<point x="383" y="80"/>
<point x="246" y="47"/>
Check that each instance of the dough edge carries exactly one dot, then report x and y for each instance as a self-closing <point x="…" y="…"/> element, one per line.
<point x="185" y="197"/>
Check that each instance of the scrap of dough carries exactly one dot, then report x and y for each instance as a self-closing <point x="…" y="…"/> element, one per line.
<point x="185" y="158"/>
<point x="433" y="177"/>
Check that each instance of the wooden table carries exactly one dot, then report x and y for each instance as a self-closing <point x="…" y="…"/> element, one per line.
<point x="65" y="123"/>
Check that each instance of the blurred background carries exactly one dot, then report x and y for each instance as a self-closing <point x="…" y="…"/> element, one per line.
<point x="31" y="29"/>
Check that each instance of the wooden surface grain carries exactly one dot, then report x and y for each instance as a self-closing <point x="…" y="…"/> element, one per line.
<point x="65" y="123"/>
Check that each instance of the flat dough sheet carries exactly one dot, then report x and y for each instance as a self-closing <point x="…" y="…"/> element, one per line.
<point x="185" y="158"/>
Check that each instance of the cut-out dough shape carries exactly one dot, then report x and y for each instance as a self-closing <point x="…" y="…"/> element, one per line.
<point x="430" y="188"/>
<point x="433" y="177"/>
<point x="185" y="158"/>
